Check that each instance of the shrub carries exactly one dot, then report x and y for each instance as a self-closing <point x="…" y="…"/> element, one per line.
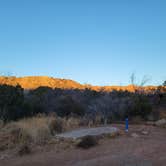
<point x="12" y="135"/>
<point x="109" y="107"/>
<point x="140" y="106"/>
<point x="31" y="130"/>
<point x="19" y="135"/>
<point x="41" y="91"/>
<point x="67" y="107"/>
<point x="11" y="100"/>
<point x="87" y="142"/>
<point x="24" y="150"/>
<point x="35" y="131"/>
<point x="72" y="123"/>
<point x="56" y="126"/>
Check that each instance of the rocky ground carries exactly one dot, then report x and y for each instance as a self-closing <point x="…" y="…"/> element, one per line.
<point x="142" y="146"/>
<point x="97" y="131"/>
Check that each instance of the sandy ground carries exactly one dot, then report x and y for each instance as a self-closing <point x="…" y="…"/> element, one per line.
<point x="125" y="150"/>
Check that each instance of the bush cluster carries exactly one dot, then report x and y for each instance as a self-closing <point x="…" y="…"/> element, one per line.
<point x="16" y="103"/>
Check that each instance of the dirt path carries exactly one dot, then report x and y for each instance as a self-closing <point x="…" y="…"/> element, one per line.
<point x="125" y="150"/>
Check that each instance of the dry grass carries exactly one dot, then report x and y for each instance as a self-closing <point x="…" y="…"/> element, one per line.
<point x="36" y="130"/>
<point x="71" y="123"/>
<point x="162" y="114"/>
<point x="27" y="131"/>
<point x="56" y="125"/>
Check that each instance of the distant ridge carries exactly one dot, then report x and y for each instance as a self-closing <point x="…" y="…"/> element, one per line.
<point x="33" y="82"/>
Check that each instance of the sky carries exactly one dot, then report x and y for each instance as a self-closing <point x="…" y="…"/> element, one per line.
<point x="99" y="42"/>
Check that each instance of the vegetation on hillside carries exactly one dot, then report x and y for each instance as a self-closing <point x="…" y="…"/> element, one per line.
<point x="17" y="103"/>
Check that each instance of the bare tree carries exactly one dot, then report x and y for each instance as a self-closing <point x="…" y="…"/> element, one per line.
<point x="144" y="80"/>
<point x="139" y="85"/>
<point x="132" y="79"/>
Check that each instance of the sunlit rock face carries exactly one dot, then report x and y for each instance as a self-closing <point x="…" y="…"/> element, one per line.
<point x="33" y="82"/>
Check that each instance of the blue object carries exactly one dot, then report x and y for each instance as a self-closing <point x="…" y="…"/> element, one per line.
<point x="127" y="125"/>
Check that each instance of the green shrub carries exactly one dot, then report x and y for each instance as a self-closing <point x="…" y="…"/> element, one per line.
<point x="140" y="106"/>
<point x="11" y="100"/>
<point x="67" y="106"/>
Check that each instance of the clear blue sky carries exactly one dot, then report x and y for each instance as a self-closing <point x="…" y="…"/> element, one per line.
<point x="91" y="41"/>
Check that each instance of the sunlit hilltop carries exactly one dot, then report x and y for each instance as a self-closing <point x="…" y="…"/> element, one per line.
<point x="33" y="82"/>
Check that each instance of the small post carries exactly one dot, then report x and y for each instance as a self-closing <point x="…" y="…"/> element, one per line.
<point x="127" y="124"/>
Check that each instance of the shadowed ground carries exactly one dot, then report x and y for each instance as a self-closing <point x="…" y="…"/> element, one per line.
<point x="125" y="150"/>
